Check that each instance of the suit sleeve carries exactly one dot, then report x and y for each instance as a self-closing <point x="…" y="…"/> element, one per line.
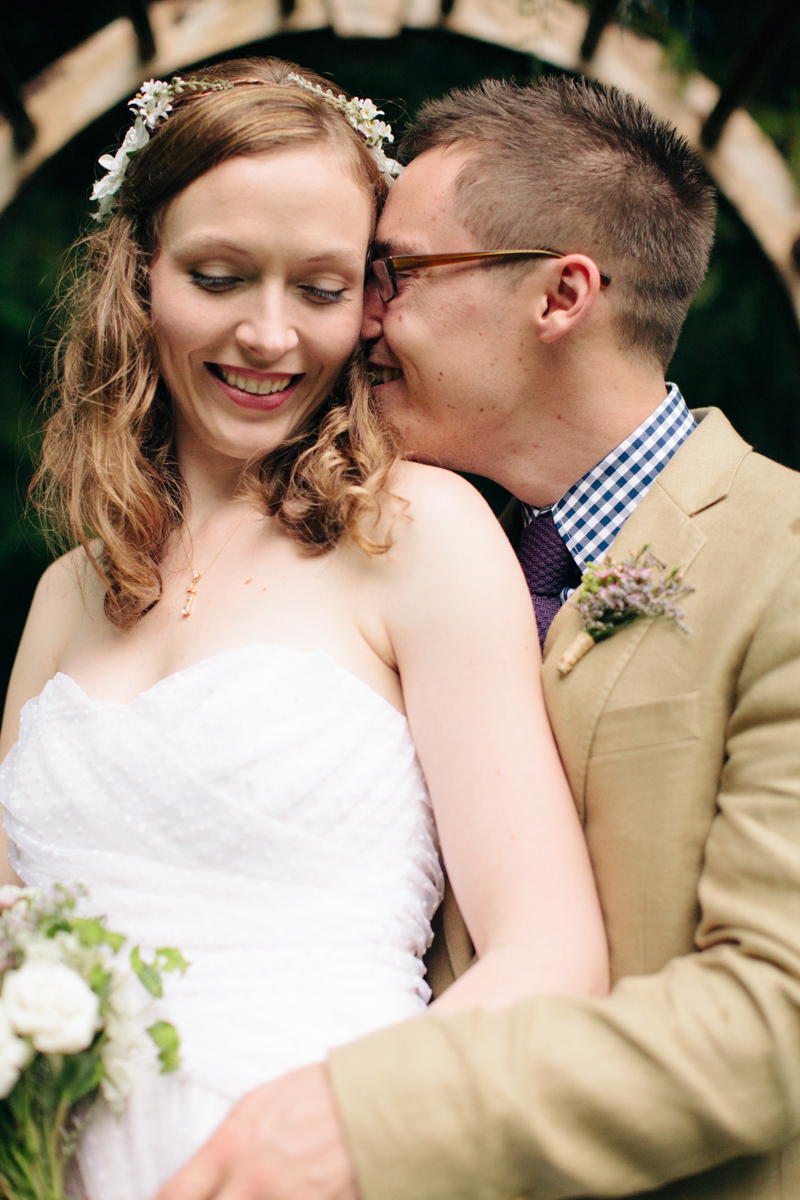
<point x="673" y="1073"/>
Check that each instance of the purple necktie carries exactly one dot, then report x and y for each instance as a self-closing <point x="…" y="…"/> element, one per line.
<point x="548" y="566"/>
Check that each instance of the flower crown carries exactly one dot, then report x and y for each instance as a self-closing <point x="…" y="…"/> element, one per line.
<point x="153" y="103"/>
<point x="361" y="114"/>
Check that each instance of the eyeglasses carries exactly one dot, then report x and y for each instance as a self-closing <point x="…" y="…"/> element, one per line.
<point x="385" y="270"/>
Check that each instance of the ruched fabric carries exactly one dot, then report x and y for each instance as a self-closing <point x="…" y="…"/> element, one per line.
<point x="263" y="811"/>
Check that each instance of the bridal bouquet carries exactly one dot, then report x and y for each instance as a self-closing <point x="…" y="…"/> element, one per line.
<point x="69" y="1024"/>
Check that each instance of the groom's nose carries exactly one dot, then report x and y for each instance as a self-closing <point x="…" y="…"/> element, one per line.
<point x="372" y="324"/>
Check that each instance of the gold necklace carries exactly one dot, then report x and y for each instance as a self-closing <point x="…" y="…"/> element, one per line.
<point x="191" y="590"/>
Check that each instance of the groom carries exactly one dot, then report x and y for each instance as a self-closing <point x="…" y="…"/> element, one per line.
<point x="546" y="374"/>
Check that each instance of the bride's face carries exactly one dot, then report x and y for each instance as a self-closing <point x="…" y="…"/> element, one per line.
<point x="256" y="296"/>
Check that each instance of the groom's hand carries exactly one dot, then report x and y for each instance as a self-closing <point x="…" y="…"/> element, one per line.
<point x="283" y="1141"/>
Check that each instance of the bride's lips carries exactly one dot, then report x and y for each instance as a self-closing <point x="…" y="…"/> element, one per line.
<point x="263" y="391"/>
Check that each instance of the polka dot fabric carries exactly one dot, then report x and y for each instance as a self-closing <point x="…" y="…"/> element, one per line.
<point x="264" y="811"/>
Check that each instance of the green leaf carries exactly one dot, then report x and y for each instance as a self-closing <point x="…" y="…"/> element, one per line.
<point x="91" y="932"/>
<point x="50" y="926"/>
<point x="149" y="976"/>
<point x="100" y="983"/>
<point x="170" y="959"/>
<point x="81" y="1073"/>
<point x="165" y="1036"/>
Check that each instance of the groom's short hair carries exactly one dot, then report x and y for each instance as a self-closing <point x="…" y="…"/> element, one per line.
<point x="576" y="166"/>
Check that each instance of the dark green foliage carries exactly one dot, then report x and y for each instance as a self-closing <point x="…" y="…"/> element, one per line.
<point x="40" y="1120"/>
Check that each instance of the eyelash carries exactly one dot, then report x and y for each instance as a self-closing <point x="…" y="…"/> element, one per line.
<point x="214" y="283"/>
<point x="332" y="297"/>
<point x="221" y="283"/>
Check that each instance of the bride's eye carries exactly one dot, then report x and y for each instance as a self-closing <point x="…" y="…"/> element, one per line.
<point x="214" y="283"/>
<point x="323" y="295"/>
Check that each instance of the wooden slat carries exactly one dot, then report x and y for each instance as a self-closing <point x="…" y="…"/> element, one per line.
<point x="745" y="164"/>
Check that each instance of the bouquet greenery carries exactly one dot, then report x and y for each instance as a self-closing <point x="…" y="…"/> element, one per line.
<point x="69" y="1025"/>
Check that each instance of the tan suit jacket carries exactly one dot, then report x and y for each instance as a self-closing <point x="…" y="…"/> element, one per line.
<point x="683" y="753"/>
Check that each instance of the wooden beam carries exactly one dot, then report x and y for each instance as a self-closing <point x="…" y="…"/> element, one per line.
<point x="739" y="88"/>
<point x="12" y="107"/>
<point x="137" y="11"/>
<point x="600" y="16"/>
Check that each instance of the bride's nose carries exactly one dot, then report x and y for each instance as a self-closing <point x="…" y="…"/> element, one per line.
<point x="372" y="322"/>
<point x="268" y="329"/>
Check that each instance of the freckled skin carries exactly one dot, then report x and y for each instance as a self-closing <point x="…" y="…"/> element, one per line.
<point x="458" y="332"/>
<point x="520" y="379"/>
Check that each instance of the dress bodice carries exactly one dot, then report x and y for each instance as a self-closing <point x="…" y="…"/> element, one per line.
<point x="262" y="810"/>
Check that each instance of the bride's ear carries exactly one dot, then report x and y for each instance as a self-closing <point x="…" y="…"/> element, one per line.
<point x="568" y="289"/>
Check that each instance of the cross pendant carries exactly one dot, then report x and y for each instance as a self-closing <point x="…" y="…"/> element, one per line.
<point x="191" y="592"/>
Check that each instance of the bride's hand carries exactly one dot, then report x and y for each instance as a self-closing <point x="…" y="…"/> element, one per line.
<point x="283" y="1141"/>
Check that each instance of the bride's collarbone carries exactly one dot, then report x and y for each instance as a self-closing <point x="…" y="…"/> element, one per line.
<point x="269" y="595"/>
<point x="118" y="665"/>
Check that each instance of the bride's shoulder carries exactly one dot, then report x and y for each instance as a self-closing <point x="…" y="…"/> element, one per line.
<point x="68" y="580"/>
<point x="442" y="529"/>
<point x="432" y="496"/>
<point x="67" y="591"/>
<point x="59" y="605"/>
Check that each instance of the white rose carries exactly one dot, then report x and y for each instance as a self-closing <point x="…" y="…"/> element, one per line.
<point x="53" y="1005"/>
<point x="10" y="894"/>
<point x="13" y="1055"/>
<point x="124" y="1025"/>
<point x="117" y="1077"/>
<point x="35" y="946"/>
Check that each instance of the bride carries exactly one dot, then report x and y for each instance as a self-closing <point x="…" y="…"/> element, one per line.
<point x="211" y="715"/>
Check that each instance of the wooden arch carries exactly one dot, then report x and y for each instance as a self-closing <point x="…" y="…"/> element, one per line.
<point x="167" y="34"/>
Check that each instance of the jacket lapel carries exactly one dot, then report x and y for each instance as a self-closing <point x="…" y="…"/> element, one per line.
<point x="699" y="475"/>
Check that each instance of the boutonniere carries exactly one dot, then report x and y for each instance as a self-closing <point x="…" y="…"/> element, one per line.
<point x="612" y="595"/>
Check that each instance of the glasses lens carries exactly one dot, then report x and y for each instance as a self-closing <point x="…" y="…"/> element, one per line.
<point x="383" y="280"/>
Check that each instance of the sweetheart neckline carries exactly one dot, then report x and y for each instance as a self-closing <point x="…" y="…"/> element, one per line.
<point x="202" y="662"/>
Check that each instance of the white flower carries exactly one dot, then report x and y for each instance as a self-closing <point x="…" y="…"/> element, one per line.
<point x="117" y="1079"/>
<point x="10" y="894"/>
<point x="135" y="137"/>
<point x="14" y="1054"/>
<point x="124" y="1037"/>
<point x="123" y="1029"/>
<point x="390" y="168"/>
<point x="153" y="101"/>
<point x="367" y="108"/>
<point x="116" y="165"/>
<point x="36" y="946"/>
<point x="126" y="999"/>
<point x="52" y="1004"/>
<point x="377" y="132"/>
<point x="360" y="113"/>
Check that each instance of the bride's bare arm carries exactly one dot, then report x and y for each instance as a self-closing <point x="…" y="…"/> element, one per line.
<point x="464" y="633"/>
<point x="52" y="615"/>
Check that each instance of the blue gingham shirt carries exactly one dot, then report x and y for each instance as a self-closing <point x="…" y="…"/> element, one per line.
<point x="590" y="515"/>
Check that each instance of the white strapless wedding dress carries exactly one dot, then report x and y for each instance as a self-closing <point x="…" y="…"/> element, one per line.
<point x="264" y="812"/>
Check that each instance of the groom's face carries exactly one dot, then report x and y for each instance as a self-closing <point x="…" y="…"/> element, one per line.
<point x="454" y="343"/>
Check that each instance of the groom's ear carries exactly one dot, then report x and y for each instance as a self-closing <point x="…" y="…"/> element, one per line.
<point x="567" y="293"/>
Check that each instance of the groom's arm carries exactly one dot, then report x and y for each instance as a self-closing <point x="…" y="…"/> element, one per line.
<point x="673" y="1073"/>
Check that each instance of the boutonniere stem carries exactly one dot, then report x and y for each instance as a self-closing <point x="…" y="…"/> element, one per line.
<point x="612" y="595"/>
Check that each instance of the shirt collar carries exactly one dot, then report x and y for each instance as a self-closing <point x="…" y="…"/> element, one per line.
<point x="590" y="515"/>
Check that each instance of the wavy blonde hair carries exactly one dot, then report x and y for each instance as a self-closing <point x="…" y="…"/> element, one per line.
<point x="108" y="473"/>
